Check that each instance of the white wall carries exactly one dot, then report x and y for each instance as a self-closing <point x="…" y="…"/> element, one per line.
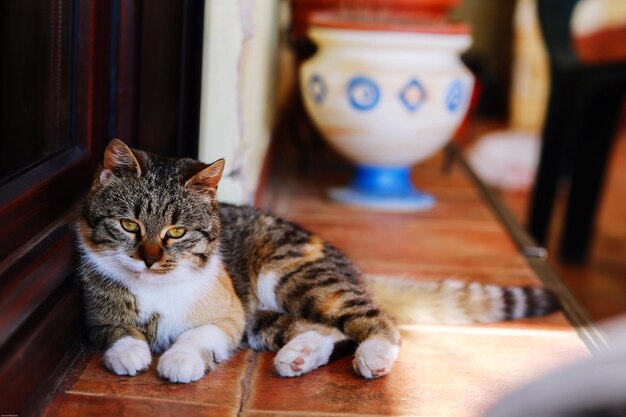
<point x="238" y="90"/>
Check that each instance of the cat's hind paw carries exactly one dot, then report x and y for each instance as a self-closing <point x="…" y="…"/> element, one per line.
<point x="375" y="358"/>
<point x="128" y="356"/>
<point x="181" y="366"/>
<point x="303" y="353"/>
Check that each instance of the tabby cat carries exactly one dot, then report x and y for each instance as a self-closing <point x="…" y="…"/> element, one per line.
<point x="166" y="269"/>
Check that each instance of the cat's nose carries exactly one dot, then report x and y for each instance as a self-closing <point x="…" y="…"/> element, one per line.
<point x="149" y="262"/>
<point x="150" y="254"/>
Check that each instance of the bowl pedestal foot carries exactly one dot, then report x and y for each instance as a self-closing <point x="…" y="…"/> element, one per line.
<point x="383" y="188"/>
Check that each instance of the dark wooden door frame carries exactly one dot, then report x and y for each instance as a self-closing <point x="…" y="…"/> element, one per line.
<point x="40" y="306"/>
<point x="40" y="315"/>
<point x="156" y="74"/>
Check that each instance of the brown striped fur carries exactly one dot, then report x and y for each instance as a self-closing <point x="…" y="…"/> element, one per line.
<point x="237" y="276"/>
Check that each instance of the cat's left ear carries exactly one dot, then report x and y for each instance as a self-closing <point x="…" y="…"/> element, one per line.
<point x="208" y="178"/>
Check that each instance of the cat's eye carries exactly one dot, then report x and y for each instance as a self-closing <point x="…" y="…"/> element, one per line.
<point x="129" y="225"/>
<point x="176" y="232"/>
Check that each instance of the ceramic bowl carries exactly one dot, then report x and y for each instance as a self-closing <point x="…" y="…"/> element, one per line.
<point x="386" y="99"/>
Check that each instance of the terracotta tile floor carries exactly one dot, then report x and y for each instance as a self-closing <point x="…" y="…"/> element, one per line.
<point x="442" y="370"/>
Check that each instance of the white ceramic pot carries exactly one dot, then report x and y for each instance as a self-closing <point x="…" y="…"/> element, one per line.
<point x="386" y="98"/>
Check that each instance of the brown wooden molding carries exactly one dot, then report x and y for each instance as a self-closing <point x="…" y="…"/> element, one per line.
<point x="40" y="197"/>
<point x="32" y="201"/>
<point x="40" y="313"/>
<point x="33" y="278"/>
<point x="116" y="64"/>
<point x="40" y="353"/>
<point x="127" y="79"/>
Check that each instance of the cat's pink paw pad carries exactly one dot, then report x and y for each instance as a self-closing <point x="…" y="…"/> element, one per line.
<point x="293" y="362"/>
<point x="295" y="365"/>
<point x="127" y="356"/>
<point x="181" y="366"/>
<point x="303" y="353"/>
<point x="375" y="358"/>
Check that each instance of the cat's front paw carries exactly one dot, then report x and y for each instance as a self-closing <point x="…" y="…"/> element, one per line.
<point x="182" y="366"/>
<point x="127" y="356"/>
<point x="374" y="358"/>
<point x="303" y="353"/>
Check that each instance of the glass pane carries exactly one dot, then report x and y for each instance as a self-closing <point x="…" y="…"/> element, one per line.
<point x="35" y="82"/>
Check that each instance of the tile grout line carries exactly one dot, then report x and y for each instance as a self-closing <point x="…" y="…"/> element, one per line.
<point x="246" y="381"/>
<point x="430" y="224"/>
<point x="245" y="384"/>
<point x="325" y="414"/>
<point x="489" y="331"/>
<point x="139" y="397"/>
<point x="451" y="270"/>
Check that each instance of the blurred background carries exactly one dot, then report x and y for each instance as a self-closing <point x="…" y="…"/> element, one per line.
<point x="543" y="126"/>
<point x="220" y="79"/>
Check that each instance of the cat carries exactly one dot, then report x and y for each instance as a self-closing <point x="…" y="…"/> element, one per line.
<point x="165" y="268"/>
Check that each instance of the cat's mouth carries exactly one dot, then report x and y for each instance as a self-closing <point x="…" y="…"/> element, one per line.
<point x="139" y="268"/>
<point x="155" y="271"/>
<point x="143" y="272"/>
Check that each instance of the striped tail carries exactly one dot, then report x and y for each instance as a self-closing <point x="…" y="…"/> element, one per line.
<point x="457" y="302"/>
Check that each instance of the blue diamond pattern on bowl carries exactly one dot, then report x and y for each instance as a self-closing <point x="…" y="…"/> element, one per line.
<point x="455" y="96"/>
<point x="317" y="88"/>
<point x="413" y="95"/>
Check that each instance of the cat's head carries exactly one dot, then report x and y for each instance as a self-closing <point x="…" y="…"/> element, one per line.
<point x="148" y="217"/>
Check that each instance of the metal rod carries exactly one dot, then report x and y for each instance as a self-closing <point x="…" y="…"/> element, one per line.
<point x="537" y="258"/>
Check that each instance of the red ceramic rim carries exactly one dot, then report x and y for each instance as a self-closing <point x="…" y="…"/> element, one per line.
<point x="393" y="4"/>
<point x="389" y="22"/>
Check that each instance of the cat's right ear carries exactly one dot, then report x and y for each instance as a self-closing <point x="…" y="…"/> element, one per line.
<point x="118" y="157"/>
<point x="207" y="178"/>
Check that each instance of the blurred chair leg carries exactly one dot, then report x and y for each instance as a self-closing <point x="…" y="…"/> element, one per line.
<point x="554" y="138"/>
<point x="593" y="143"/>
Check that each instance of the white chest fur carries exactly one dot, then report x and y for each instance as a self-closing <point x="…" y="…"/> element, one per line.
<point x="173" y="300"/>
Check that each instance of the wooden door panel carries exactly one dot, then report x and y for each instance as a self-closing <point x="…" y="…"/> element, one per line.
<point x="111" y="94"/>
<point x="40" y="311"/>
